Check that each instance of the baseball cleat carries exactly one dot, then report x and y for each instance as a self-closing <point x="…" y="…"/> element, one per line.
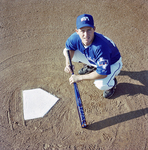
<point x="109" y="93"/>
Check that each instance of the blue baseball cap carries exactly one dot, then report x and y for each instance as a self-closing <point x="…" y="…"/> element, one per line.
<point x="84" y="20"/>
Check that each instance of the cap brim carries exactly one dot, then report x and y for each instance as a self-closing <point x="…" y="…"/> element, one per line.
<point x="85" y="25"/>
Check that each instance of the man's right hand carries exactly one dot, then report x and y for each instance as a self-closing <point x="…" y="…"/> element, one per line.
<point x="68" y="69"/>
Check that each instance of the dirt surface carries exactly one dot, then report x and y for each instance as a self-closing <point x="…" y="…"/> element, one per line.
<point x="32" y="39"/>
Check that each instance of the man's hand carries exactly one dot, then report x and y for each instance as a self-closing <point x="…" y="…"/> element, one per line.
<point x="75" y="78"/>
<point x="91" y="76"/>
<point x="68" y="69"/>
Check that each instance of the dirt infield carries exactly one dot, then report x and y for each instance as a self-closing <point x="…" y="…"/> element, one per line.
<point x="32" y="39"/>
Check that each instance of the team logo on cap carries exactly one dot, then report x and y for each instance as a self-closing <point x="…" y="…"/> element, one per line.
<point x="84" y="19"/>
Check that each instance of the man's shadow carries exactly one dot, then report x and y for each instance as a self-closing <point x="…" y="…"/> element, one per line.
<point x="133" y="89"/>
<point x="126" y="89"/>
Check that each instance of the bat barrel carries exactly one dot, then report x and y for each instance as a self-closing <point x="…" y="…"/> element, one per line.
<point x="80" y="107"/>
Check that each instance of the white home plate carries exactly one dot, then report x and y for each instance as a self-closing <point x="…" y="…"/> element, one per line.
<point x="37" y="102"/>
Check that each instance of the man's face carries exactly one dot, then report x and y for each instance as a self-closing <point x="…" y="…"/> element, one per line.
<point x="86" y="34"/>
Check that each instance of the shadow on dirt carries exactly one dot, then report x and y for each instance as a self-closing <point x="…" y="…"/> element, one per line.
<point x="133" y="89"/>
<point x="130" y="90"/>
<point x="117" y="119"/>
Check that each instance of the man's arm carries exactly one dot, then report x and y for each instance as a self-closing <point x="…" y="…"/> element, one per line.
<point x="91" y="76"/>
<point x="67" y="68"/>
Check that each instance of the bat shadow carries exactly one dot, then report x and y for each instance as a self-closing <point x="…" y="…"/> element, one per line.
<point x="117" y="119"/>
<point x="132" y="89"/>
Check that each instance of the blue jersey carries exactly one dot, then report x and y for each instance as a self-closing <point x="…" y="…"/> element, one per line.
<point x="102" y="52"/>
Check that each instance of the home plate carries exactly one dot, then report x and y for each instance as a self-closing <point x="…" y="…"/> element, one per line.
<point x="37" y="102"/>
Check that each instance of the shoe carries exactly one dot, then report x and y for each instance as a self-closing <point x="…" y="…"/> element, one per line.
<point x="109" y="93"/>
<point x="86" y="69"/>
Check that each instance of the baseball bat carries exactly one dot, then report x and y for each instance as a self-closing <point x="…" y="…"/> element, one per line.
<point x="78" y="98"/>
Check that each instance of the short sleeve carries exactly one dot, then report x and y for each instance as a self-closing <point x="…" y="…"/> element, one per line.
<point x="103" y="62"/>
<point x="103" y="66"/>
